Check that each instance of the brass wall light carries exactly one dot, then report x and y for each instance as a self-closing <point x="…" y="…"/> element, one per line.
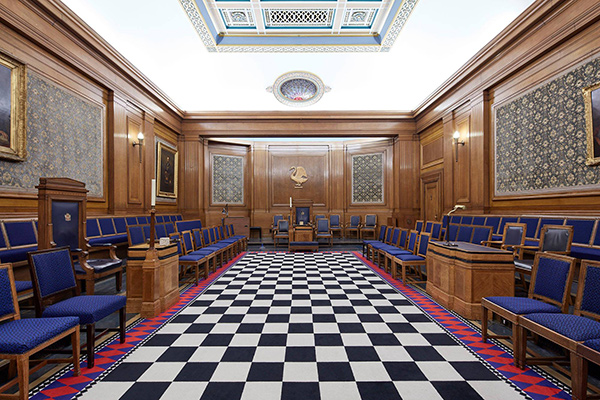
<point x="140" y="142"/>
<point x="456" y="138"/>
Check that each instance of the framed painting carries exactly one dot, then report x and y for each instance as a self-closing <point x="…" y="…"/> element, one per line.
<point x="166" y="171"/>
<point x="12" y="109"/>
<point x="591" y="96"/>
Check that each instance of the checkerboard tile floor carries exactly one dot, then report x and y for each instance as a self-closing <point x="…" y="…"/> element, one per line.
<point x="301" y="326"/>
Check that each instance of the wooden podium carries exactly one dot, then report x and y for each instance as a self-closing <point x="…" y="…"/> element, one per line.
<point x="459" y="276"/>
<point x="152" y="279"/>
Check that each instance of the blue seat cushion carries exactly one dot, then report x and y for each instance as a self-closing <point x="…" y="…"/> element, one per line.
<point x="89" y="309"/>
<point x="529" y="242"/>
<point x="397" y="252"/>
<point x="191" y="257"/>
<point x="523" y="305"/>
<point x="99" y="265"/>
<point x="23" y="286"/>
<point x="200" y="252"/>
<point x="496" y="237"/>
<point x="572" y="326"/>
<point x="593" y="344"/>
<point x="16" y="255"/>
<point x="110" y="239"/>
<point x="410" y="257"/>
<point x="584" y="253"/>
<point x="371" y="241"/>
<point x="99" y="241"/>
<point x="22" y="335"/>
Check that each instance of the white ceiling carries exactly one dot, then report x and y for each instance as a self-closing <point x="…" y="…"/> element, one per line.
<point x="159" y="39"/>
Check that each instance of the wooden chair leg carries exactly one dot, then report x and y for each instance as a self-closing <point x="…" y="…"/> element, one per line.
<point x="23" y="376"/>
<point x="119" y="280"/>
<point x="484" y="324"/>
<point x="89" y="286"/>
<point x="519" y="338"/>
<point x="196" y="273"/>
<point x="76" y="352"/>
<point x="91" y="341"/>
<point x="122" y="325"/>
<point x="403" y="274"/>
<point x="579" y="375"/>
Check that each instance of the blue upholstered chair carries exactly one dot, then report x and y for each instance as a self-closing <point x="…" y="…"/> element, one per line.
<point x="385" y="236"/>
<point x="135" y="235"/>
<point x="419" y="225"/>
<point x="283" y="231"/>
<point x="436" y="230"/>
<point x="275" y="224"/>
<point x="323" y="231"/>
<point x="481" y="234"/>
<point x="428" y="227"/>
<point x="555" y="239"/>
<point x="53" y="276"/>
<point x="241" y="238"/>
<point x="353" y="226"/>
<point x="21" y="338"/>
<point x="187" y="260"/>
<point x="376" y="249"/>
<point x="335" y="224"/>
<point x="512" y="239"/>
<point x="549" y="292"/>
<point x="370" y="226"/>
<point x="318" y="217"/>
<point x="464" y="233"/>
<point x="410" y="265"/>
<point x="452" y="232"/>
<point x="568" y="330"/>
<point x="407" y="244"/>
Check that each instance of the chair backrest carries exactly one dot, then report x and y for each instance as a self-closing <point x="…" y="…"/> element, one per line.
<point x="135" y="235"/>
<point x="587" y="303"/>
<point x="160" y="219"/>
<point x="302" y="215"/>
<point x="556" y="238"/>
<point x="354" y="221"/>
<point x="213" y="234"/>
<point x="514" y="234"/>
<point x="419" y="225"/>
<point x="188" y="242"/>
<point x="131" y="220"/>
<point x="161" y="231"/>
<point x="370" y="220"/>
<point x="206" y="237"/>
<point x="428" y="227"/>
<point x="412" y="241"/>
<point x="479" y="221"/>
<point x="283" y="226"/>
<point x="582" y="229"/>
<point x="452" y="232"/>
<point x="322" y="225"/>
<point x="464" y="233"/>
<point x="551" y="278"/>
<point x="107" y="226"/>
<point x="385" y="234"/>
<point x="466" y="220"/>
<point x="436" y="230"/>
<point x="146" y="229"/>
<point x="120" y="224"/>
<point x="548" y="221"/>
<point x="92" y="228"/>
<point x="9" y="307"/>
<point x="494" y="222"/>
<point x="176" y="237"/>
<point x="197" y="234"/>
<point x="52" y="274"/>
<point x="395" y="236"/>
<point x="170" y="227"/>
<point x="423" y="244"/>
<point x="481" y="234"/>
<point x="276" y="219"/>
<point x="532" y="224"/>
<point x="334" y="220"/>
<point x="221" y="232"/>
<point x="402" y="239"/>
<point x="231" y="230"/>
<point x="319" y="216"/>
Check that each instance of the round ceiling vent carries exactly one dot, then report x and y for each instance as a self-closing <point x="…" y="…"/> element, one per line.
<point x="298" y="89"/>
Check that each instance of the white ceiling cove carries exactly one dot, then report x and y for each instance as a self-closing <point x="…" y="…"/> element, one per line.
<point x="158" y="37"/>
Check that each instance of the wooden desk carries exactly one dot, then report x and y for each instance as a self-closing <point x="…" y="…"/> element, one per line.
<point x="152" y="279"/>
<point x="459" y="276"/>
<point x="302" y="233"/>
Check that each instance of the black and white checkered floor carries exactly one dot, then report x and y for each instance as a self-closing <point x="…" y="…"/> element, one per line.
<point x="301" y="326"/>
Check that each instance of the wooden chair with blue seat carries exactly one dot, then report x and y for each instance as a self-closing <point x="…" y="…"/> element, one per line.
<point x="335" y="224"/>
<point x="283" y="231"/>
<point x="353" y="226"/>
<point x="370" y="226"/>
<point x="549" y="292"/>
<point x="323" y="231"/>
<point x="410" y="265"/>
<point x="62" y="206"/>
<point x="22" y="338"/>
<point x="400" y="247"/>
<point x="275" y="224"/>
<point x="578" y="333"/>
<point x="189" y="260"/>
<point x="385" y="235"/>
<point x="57" y="295"/>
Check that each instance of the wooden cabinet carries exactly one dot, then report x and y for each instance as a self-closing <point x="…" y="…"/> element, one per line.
<point x="241" y="225"/>
<point x="302" y="234"/>
<point x="459" y="276"/>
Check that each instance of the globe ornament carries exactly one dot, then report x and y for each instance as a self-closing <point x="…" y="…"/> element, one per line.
<point x="298" y="89"/>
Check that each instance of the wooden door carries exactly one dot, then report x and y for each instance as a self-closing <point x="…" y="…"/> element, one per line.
<point x="431" y="196"/>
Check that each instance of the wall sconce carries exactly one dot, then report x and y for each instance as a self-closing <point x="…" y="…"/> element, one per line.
<point x="140" y="142"/>
<point x="456" y="136"/>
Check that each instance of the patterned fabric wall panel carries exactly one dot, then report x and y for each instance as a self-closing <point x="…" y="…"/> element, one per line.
<point x="541" y="140"/>
<point x="367" y="178"/>
<point x="64" y="139"/>
<point x="227" y="179"/>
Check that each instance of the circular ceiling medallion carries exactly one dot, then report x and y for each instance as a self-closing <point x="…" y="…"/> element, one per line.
<point x="298" y="89"/>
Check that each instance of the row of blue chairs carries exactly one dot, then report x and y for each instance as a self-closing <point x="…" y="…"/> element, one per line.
<point x="113" y="230"/>
<point x="545" y="313"/>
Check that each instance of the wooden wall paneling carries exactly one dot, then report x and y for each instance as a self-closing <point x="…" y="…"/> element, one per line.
<point x="407" y="183"/>
<point x="135" y="165"/>
<point x="118" y="180"/>
<point x="462" y="164"/>
<point x="191" y="175"/>
<point x="449" y="199"/>
<point x="337" y="188"/>
<point x="261" y="211"/>
<point x="479" y="147"/>
<point x="148" y="160"/>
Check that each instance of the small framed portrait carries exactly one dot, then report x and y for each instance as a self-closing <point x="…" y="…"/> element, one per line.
<point x="12" y="109"/>
<point x="166" y="171"/>
<point x="591" y="96"/>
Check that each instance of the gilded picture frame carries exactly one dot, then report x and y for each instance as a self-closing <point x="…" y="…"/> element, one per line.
<point x="591" y="96"/>
<point x="166" y="171"/>
<point x="13" y="103"/>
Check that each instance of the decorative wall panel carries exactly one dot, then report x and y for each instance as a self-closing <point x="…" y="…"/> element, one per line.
<point x="65" y="138"/>
<point x="227" y="179"/>
<point x="367" y="178"/>
<point x="540" y="138"/>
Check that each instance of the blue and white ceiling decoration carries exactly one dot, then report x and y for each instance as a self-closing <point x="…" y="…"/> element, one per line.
<point x="298" y="89"/>
<point x="273" y="26"/>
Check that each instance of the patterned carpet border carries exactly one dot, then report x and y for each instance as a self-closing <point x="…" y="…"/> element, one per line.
<point x="64" y="386"/>
<point x="533" y="382"/>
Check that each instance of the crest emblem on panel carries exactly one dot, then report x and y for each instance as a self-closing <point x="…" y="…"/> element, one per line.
<point x="299" y="176"/>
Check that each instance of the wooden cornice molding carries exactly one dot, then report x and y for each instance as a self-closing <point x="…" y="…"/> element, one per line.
<point x="298" y="115"/>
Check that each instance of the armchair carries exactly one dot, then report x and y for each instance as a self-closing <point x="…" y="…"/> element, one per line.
<point x="370" y="225"/>
<point x="323" y="231"/>
<point x="22" y="338"/>
<point x="53" y="275"/>
<point x="283" y="231"/>
<point x="335" y="224"/>
<point x="353" y="226"/>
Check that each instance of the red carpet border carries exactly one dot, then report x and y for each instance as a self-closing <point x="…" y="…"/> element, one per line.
<point x="67" y="385"/>
<point x="528" y="380"/>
